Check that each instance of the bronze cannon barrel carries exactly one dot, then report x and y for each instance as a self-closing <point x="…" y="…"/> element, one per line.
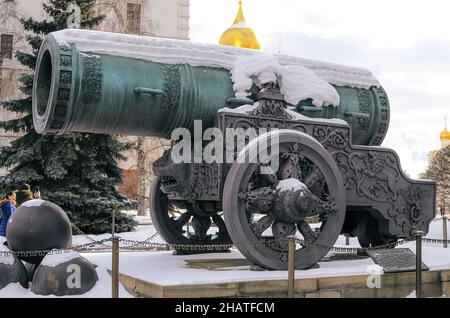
<point x="100" y="82"/>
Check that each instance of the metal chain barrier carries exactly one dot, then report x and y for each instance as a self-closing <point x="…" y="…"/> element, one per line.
<point x="53" y="251"/>
<point x="86" y="236"/>
<point x="364" y="249"/>
<point x="435" y="241"/>
<point x="436" y="220"/>
<point x="148" y="240"/>
<point x="147" y="245"/>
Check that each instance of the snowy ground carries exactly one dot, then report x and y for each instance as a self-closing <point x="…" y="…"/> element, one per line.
<point x="101" y="290"/>
<point x="165" y="269"/>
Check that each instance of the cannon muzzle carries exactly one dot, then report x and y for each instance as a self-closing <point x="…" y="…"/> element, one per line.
<point x="81" y="91"/>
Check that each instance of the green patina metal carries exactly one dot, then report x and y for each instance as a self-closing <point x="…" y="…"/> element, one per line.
<point x="366" y="110"/>
<point x="98" y="93"/>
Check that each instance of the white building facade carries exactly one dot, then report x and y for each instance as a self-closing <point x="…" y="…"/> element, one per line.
<point x="160" y="18"/>
<point x="12" y="39"/>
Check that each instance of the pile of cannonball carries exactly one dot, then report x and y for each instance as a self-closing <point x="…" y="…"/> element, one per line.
<point x="43" y="227"/>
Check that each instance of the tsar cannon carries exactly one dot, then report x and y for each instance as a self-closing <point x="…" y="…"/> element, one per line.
<point x="331" y="176"/>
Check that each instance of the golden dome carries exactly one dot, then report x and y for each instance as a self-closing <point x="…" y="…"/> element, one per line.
<point x="239" y="34"/>
<point x="445" y="135"/>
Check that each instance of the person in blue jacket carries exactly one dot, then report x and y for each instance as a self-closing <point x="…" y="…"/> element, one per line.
<point x="7" y="206"/>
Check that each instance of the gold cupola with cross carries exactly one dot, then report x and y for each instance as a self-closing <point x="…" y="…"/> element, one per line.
<point x="445" y="135"/>
<point x="239" y="34"/>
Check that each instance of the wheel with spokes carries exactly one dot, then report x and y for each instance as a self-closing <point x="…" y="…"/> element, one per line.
<point x="185" y="223"/>
<point x="262" y="210"/>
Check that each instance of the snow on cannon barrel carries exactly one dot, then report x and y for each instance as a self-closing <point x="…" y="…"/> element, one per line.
<point x="38" y="226"/>
<point x="112" y="83"/>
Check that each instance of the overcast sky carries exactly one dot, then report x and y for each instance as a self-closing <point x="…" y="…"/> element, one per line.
<point x="405" y="43"/>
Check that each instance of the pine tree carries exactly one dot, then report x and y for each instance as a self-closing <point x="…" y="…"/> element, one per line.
<point x="439" y="171"/>
<point x="79" y="172"/>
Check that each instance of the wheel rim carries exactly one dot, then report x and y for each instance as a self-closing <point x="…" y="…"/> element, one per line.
<point x="174" y="229"/>
<point x="241" y="226"/>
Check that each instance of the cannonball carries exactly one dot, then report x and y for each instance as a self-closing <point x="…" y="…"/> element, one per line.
<point x="38" y="225"/>
<point x="63" y="275"/>
<point x="11" y="268"/>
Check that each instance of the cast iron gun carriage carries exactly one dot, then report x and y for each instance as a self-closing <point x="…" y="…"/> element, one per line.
<point x="333" y="172"/>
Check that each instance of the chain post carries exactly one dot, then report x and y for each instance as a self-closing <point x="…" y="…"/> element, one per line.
<point x="444" y="224"/>
<point x="419" y="235"/>
<point x="115" y="267"/>
<point x="291" y="266"/>
<point x="115" y="259"/>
